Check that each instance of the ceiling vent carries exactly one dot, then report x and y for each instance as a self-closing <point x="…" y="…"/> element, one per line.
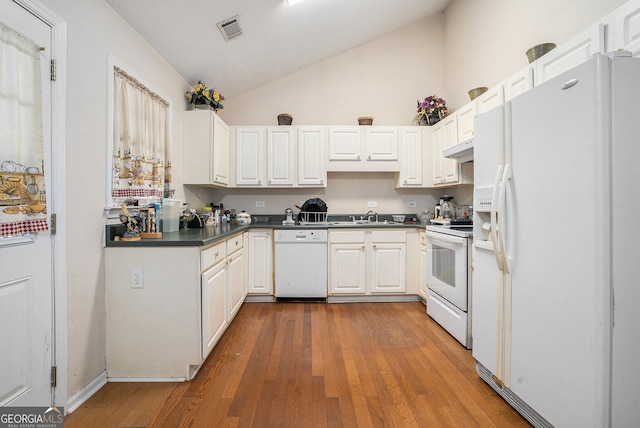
<point x="230" y="28"/>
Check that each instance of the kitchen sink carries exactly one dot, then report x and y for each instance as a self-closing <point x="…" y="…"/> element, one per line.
<point x="362" y="223"/>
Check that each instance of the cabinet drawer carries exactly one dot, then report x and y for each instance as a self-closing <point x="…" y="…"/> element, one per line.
<point x="389" y="236"/>
<point x="212" y="255"/>
<point x="234" y="244"/>
<point x="347" y="236"/>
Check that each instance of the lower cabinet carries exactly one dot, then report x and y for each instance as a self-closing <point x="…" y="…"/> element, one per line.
<point x="367" y="261"/>
<point x="422" y="265"/>
<point x="165" y="329"/>
<point x="260" y="261"/>
<point x="214" y="291"/>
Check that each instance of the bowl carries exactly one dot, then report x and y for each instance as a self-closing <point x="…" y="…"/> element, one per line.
<point x="398" y="218"/>
<point x="476" y="92"/>
<point x="538" y="50"/>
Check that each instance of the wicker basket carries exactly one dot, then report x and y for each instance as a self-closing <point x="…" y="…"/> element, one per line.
<point x="285" y="119"/>
<point x="476" y="92"/>
<point x="538" y="50"/>
<point x="365" y="120"/>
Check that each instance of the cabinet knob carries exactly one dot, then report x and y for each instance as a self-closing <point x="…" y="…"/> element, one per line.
<point x="369" y="157"/>
<point x="268" y="235"/>
<point x="359" y="157"/>
<point x="260" y="182"/>
<point x="374" y="246"/>
<point x="362" y="248"/>
<point x="405" y="181"/>
<point x="236" y="242"/>
<point x="268" y="181"/>
<point x="321" y="181"/>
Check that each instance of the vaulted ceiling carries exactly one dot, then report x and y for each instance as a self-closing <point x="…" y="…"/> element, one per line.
<point x="276" y="40"/>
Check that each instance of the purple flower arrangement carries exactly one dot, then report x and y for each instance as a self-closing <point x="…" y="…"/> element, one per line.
<point x="431" y="110"/>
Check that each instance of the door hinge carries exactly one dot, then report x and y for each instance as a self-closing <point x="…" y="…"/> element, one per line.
<point x="53" y="70"/>
<point x="54" y="376"/>
<point x="54" y="219"/>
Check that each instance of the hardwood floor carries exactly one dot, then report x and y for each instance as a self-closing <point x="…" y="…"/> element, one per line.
<point x="316" y="365"/>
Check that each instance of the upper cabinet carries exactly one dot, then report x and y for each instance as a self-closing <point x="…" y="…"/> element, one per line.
<point x="206" y="149"/>
<point x="570" y="54"/>
<point x="518" y="83"/>
<point x="279" y="156"/>
<point x="311" y="156"/>
<point x="464" y="119"/>
<point x="626" y="28"/>
<point x="411" y="157"/>
<point x="363" y="148"/>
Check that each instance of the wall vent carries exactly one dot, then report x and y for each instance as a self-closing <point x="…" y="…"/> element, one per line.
<point x="230" y="28"/>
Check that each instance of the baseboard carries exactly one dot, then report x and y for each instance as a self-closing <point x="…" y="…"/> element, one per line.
<point x="77" y="399"/>
<point x="259" y="298"/>
<point x="378" y="298"/>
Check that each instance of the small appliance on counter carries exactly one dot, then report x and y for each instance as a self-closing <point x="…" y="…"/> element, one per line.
<point x="243" y="218"/>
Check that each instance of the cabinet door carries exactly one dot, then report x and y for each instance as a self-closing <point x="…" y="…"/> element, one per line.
<point x="345" y="143"/>
<point x="450" y="166"/>
<point x="249" y="156"/>
<point x="465" y="116"/>
<point x="347" y="268"/>
<point x="437" y="137"/>
<point x="220" y="172"/>
<point x="569" y="54"/>
<point x="388" y="267"/>
<point x="410" y="156"/>
<point x="281" y="156"/>
<point x="626" y="28"/>
<point x="214" y="321"/>
<point x="422" y="287"/>
<point x="260" y="262"/>
<point x="237" y="289"/>
<point x="382" y="143"/>
<point x="492" y="98"/>
<point x="519" y="83"/>
<point x="311" y="154"/>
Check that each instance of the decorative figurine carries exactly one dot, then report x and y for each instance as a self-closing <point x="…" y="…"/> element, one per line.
<point x="132" y="223"/>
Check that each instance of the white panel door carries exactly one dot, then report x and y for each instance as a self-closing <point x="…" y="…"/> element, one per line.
<point x="570" y="54"/>
<point x="382" y="143"/>
<point x="250" y="157"/>
<point x="260" y="262"/>
<point x="518" y="83"/>
<point x="214" y="304"/>
<point x="236" y="287"/>
<point x="281" y="156"/>
<point x="626" y="30"/>
<point x="311" y="154"/>
<point x="388" y="267"/>
<point x="410" y="156"/>
<point x="220" y="163"/>
<point x="26" y="296"/>
<point x="490" y="99"/>
<point x="345" y="143"/>
<point x="347" y="264"/>
<point x="449" y="138"/>
<point x="437" y="136"/>
<point x="465" y="116"/>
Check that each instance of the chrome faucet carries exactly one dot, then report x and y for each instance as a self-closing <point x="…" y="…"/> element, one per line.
<point x="370" y="214"/>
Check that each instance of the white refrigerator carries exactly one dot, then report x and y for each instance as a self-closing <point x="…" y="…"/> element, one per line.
<point x="555" y="260"/>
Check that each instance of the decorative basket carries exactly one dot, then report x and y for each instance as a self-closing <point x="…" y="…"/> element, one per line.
<point x="285" y="119"/>
<point x="538" y="50"/>
<point x="365" y="120"/>
<point x="476" y="92"/>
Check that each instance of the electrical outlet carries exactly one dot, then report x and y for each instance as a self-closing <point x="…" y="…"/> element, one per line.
<point x="411" y="204"/>
<point x="137" y="278"/>
<point x="372" y="204"/>
<point x="259" y="204"/>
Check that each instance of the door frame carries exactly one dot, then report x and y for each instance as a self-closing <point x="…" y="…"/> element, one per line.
<point x="58" y="191"/>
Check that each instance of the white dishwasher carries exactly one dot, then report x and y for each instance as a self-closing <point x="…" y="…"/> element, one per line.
<point x="300" y="264"/>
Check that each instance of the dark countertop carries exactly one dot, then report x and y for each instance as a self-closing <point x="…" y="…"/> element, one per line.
<point x="209" y="235"/>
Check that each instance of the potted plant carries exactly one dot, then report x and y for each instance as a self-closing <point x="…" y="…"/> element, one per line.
<point x="203" y="96"/>
<point x="431" y="110"/>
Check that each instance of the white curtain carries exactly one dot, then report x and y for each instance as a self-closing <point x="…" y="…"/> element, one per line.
<point x="22" y="195"/>
<point x="142" y="152"/>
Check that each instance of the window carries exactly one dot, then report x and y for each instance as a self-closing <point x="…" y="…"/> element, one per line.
<point x="139" y="142"/>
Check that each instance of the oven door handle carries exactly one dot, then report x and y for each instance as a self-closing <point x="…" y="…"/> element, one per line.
<point x="446" y="239"/>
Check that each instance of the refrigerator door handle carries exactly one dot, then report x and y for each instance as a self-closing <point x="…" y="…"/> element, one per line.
<point x="494" y="215"/>
<point x="506" y="176"/>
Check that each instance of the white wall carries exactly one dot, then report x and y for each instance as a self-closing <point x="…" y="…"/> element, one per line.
<point x="486" y="41"/>
<point x="383" y="79"/>
<point x="94" y="31"/>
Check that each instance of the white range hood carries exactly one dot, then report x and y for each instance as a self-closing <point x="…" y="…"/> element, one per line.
<point x="462" y="152"/>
